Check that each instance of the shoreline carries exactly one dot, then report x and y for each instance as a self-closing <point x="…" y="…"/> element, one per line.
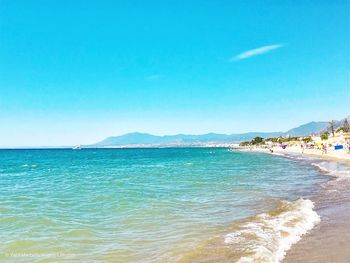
<point x="331" y="155"/>
<point x="327" y="241"/>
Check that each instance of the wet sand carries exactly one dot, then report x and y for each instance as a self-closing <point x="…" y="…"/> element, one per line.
<point x="329" y="241"/>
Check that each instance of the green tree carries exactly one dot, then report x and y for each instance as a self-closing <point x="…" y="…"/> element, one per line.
<point x="324" y="135"/>
<point x="346" y="126"/>
<point x="257" y="140"/>
<point x="244" y="144"/>
<point x="331" y="126"/>
<point x="307" y="139"/>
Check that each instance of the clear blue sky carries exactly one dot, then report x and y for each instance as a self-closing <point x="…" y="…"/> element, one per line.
<point x="74" y="72"/>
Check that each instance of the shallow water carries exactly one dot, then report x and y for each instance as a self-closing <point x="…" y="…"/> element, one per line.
<point x="148" y="205"/>
<point x="328" y="241"/>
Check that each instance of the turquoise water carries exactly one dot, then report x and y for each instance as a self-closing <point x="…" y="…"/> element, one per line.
<point x="135" y="205"/>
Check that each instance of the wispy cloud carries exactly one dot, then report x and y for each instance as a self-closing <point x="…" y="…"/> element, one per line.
<point x="255" y="52"/>
<point x="154" y="77"/>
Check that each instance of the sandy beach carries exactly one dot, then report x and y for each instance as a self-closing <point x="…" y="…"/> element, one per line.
<point x="332" y="155"/>
<point x="329" y="240"/>
<point x="336" y="155"/>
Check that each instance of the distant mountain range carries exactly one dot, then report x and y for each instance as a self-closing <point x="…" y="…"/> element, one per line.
<point x="144" y="139"/>
<point x="308" y="128"/>
<point x="340" y="123"/>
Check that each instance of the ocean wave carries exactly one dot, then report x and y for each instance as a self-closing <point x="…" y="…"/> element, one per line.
<point x="333" y="169"/>
<point x="321" y="167"/>
<point x="266" y="237"/>
<point x="278" y="154"/>
<point x="294" y="157"/>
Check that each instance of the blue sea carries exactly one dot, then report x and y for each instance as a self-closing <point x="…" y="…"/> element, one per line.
<point x="153" y="205"/>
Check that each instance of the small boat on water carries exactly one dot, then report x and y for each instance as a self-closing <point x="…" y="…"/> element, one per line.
<point x="77" y="147"/>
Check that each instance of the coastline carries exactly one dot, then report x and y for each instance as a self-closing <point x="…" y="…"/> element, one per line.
<point x="327" y="241"/>
<point x="331" y="155"/>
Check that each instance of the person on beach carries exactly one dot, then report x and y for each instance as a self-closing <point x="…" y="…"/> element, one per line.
<point x="324" y="149"/>
<point x="302" y="149"/>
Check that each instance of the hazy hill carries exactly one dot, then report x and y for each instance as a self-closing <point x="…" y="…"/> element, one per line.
<point x="137" y="138"/>
<point x="145" y="139"/>
<point x="308" y="128"/>
<point x="341" y="122"/>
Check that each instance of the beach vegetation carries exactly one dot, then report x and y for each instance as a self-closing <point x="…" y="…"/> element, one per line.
<point x="255" y="141"/>
<point x="274" y="139"/>
<point x="262" y="141"/>
<point x="258" y="140"/>
<point x="331" y="126"/>
<point x="290" y="139"/>
<point x="307" y="139"/>
<point x="283" y="139"/>
<point x="340" y="129"/>
<point x="324" y="135"/>
<point x="246" y="143"/>
<point x="346" y="126"/>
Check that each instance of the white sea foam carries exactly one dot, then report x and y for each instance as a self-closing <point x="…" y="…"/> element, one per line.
<point x="27" y="165"/>
<point x="333" y="169"/>
<point x="278" y="154"/>
<point x="268" y="236"/>
<point x="294" y="157"/>
<point x="321" y="167"/>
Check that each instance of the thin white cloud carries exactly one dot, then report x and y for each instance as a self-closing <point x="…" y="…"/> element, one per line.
<point x="255" y="52"/>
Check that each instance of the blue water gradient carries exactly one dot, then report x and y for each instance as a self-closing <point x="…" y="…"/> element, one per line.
<point x="134" y="205"/>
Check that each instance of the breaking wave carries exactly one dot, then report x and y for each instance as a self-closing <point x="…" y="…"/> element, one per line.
<point x="266" y="237"/>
